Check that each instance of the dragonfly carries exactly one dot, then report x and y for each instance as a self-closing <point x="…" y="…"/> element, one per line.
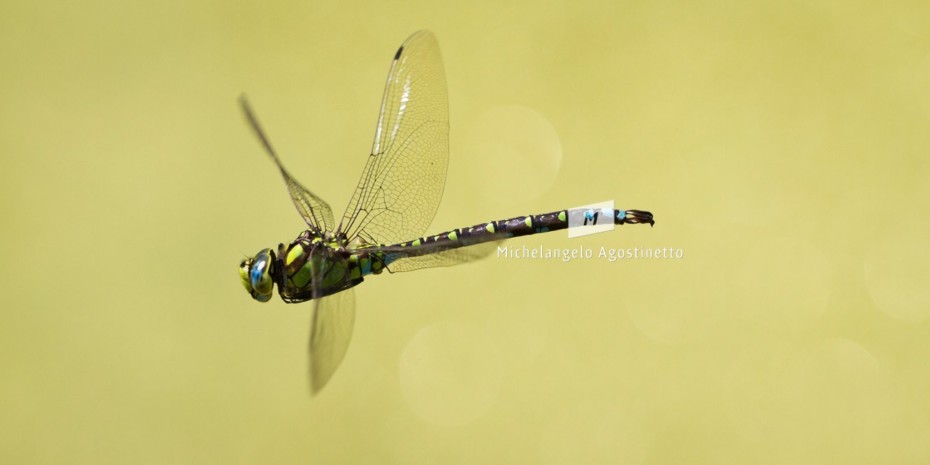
<point x="393" y="204"/>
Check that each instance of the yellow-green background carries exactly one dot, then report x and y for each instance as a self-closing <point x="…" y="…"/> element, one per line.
<point x="782" y="146"/>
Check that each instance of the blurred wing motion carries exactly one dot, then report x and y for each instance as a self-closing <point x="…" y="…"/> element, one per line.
<point x="315" y="212"/>
<point x="401" y="185"/>
<point x="330" y="333"/>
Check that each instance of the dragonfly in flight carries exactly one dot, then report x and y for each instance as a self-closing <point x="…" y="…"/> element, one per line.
<point x="384" y="224"/>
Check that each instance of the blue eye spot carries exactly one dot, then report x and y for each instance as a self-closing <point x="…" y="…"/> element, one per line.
<point x="258" y="269"/>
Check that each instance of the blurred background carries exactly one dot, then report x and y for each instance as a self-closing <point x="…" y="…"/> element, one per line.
<point x="783" y="148"/>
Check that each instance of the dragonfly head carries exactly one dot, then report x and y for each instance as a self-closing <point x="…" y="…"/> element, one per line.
<point x="256" y="273"/>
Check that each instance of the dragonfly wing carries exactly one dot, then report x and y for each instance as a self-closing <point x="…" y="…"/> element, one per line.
<point x="331" y="323"/>
<point x="401" y="259"/>
<point x="315" y="212"/>
<point x="402" y="183"/>
<point x="330" y="333"/>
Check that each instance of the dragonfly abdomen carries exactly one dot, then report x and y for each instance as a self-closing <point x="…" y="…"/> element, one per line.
<point x="532" y="224"/>
<point x="504" y="229"/>
<point x="554" y="221"/>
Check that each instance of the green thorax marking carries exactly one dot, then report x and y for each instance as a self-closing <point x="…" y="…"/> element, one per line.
<point x="310" y="255"/>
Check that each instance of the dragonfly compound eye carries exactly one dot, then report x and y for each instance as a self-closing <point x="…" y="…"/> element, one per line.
<point x="256" y="275"/>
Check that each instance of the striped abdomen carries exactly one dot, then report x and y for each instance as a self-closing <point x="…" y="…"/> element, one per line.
<point x="498" y="230"/>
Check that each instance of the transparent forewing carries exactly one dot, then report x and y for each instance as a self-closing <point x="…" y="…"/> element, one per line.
<point x="402" y="183"/>
<point x="315" y="212"/>
<point x="330" y="333"/>
<point x="402" y="259"/>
